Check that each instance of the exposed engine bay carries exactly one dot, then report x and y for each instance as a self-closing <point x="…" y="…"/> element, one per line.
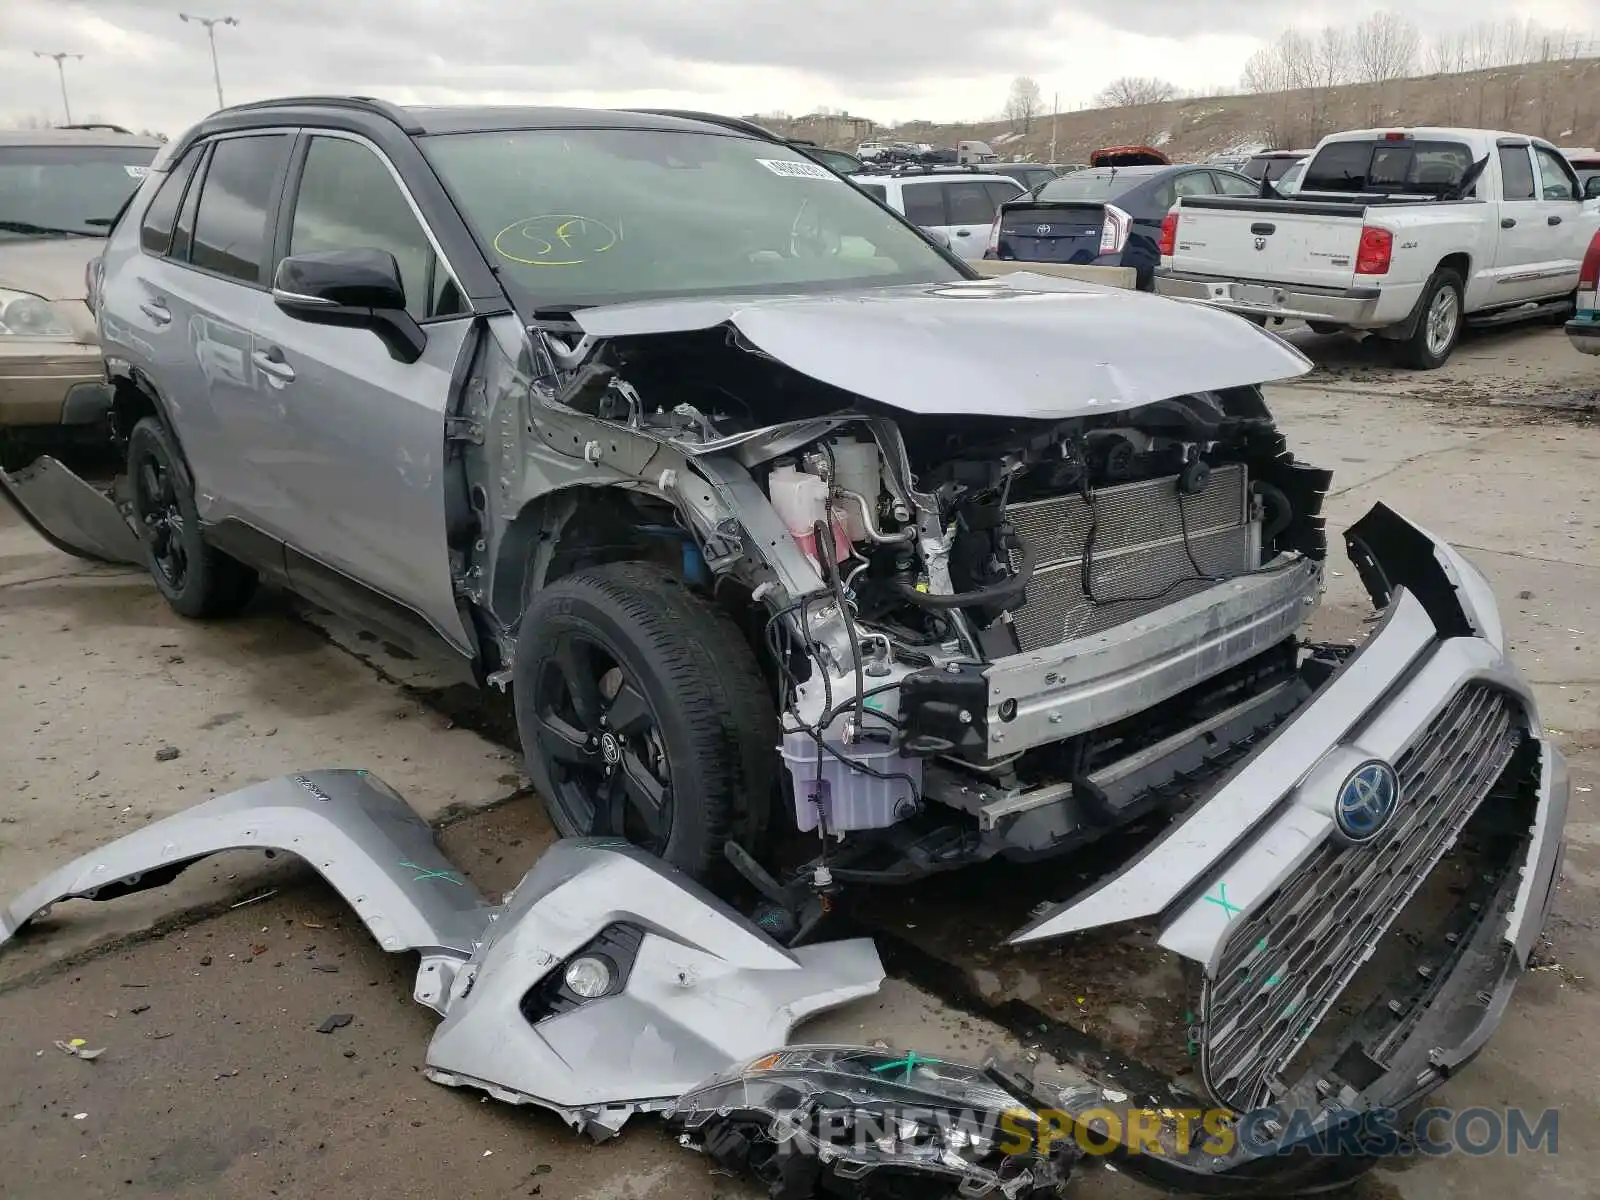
<point x="952" y="553"/>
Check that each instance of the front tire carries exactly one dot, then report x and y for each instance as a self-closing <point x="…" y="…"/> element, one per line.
<point x="1438" y="328"/>
<point x="643" y="715"/>
<point x="197" y="579"/>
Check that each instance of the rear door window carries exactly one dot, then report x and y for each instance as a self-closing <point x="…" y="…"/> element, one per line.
<point x="1194" y="183"/>
<point x="924" y="203"/>
<point x="1232" y="185"/>
<point x="1516" y="173"/>
<point x="240" y="190"/>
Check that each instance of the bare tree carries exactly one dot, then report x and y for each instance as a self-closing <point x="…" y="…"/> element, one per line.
<point x="1446" y="54"/>
<point x="1024" y="103"/>
<point x="31" y="121"/>
<point x="1332" y="59"/>
<point x="1133" y="90"/>
<point x="1385" y="48"/>
<point x="1288" y="72"/>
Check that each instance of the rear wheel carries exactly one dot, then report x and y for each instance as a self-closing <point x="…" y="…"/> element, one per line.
<point x="196" y="579"/>
<point x="643" y="716"/>
<point x="1438" y="328"/>
<point x="1324" y="329"/>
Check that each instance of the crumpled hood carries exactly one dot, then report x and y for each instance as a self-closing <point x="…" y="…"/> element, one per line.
<point x="1027" y="345"/>
<point x="51" y="268"/>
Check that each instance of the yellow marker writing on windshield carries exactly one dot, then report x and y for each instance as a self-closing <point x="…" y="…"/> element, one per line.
<point x="532" y="241"/>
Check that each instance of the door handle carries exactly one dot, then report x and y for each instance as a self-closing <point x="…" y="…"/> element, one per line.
<point x="156" y="310"/>
<point x="272" y="365"/>
<point x="1508" y="223"/>
<point x="1552" y="220"/>
<point x="963" y="233"/>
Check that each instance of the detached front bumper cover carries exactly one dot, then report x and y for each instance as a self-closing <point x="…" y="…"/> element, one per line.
<point x="1432" y="693"/>
<point x="692" y="986"/>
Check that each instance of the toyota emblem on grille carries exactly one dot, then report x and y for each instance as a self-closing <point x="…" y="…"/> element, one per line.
<point x="1041" y="229"/>
<point x="1368" y="801"/>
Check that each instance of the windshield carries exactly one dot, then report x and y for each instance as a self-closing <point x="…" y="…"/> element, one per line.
<point x="574" y="217"/>
<point x="64" y="191"/>
<point x="1385" y="166"/>
<point x="1093" y="186"/>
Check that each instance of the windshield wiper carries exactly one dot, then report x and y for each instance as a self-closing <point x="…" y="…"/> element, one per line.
<point x="30" y="227"/>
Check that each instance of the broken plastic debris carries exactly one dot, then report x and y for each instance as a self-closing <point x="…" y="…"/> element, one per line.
<point x="76" y="1048"/>
<point x="80" y="1116"/>
<point x="336" y="1021"/>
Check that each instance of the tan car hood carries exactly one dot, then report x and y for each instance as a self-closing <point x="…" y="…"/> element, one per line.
<point x="48" y="267"/>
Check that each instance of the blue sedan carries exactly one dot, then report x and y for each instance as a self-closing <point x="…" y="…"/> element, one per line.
<point x="1104" y="216"/>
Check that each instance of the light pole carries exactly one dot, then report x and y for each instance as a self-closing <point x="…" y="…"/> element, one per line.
<point x="211" y="24"/>
<point x="61" y="69"/>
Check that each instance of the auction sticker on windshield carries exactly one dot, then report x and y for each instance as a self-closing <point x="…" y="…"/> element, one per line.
<point x="797" y="170"/>
<point x="137" y="172"/>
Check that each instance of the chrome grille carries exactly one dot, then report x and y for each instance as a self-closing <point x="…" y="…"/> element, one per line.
<point x="1285" y="965"/>
<point x="1139" y="560"/>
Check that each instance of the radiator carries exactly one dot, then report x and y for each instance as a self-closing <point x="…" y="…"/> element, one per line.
<point x="1139" y="562"/>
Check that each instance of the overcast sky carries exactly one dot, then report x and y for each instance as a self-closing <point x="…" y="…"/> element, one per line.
<point x="887" y="59"/>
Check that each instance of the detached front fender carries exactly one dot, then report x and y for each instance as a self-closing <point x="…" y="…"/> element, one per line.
<point x="351" y="828"/>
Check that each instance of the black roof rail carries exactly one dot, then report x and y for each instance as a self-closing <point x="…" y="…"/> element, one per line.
<point x="109" y="128"/>
<point x="737" y="124"/>
<point x="928" y="169"/>
<point x="367" y="104"/>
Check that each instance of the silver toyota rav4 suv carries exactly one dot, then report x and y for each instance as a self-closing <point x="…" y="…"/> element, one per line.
<point x="779" y="523"/>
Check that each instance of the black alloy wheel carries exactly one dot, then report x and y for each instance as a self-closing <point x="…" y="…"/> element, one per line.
<point x="609" y="768"/>
<point x="643" y="715"/>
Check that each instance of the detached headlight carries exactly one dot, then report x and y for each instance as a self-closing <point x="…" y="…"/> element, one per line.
<point x="24" y="315"/>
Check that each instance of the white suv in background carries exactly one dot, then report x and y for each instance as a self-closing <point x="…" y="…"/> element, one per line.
<point x="959" y="204"/>
<point x="867" y="151"/>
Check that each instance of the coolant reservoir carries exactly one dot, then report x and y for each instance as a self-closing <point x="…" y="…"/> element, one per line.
<point x="801" y="500"/>
<point x="857" y="469"/>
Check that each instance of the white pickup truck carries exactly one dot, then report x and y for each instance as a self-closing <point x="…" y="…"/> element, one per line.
<point x="1406" y="234"/>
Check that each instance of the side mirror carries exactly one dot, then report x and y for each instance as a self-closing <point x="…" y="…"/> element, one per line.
<point x="939" y="236"/>
<point x="356" y="289"/>
<point x="1591" y="188"/>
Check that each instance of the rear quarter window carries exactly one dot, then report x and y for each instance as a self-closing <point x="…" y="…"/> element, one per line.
<point x="876" y="190"/>
<point x="155" y="231"/>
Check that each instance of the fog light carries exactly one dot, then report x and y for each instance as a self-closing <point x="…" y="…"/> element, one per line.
<point x="588" y="977"/>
